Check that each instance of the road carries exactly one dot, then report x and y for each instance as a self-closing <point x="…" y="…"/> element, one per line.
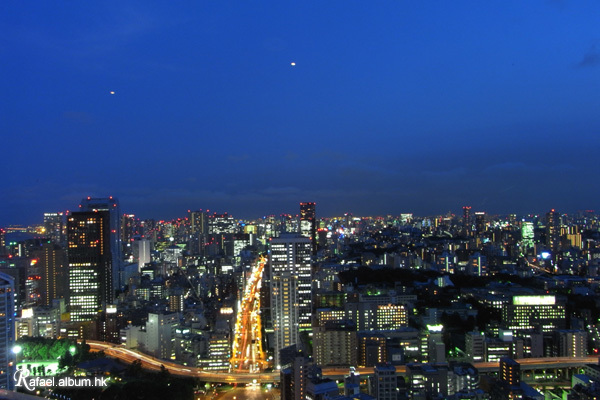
<point x="148" y="362"/>
<point x="247" y="352"/>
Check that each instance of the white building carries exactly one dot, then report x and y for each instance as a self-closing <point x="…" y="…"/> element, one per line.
<point x="291" y="294"/>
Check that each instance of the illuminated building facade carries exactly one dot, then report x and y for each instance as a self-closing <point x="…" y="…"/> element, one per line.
<point x="391" y="316"/>
<point x="7" y="331"/>
<point x="335" y="344"/>
<point x="527" y="236"/>
<point x="111" y="206"/>
<point x="308" y="223"/>
<point x="510" y="371"/>
<point x="54" y="226"/>
<point x="291" y="294"/>
<point x="534" y="312"/>
<point x="90" y="264"/>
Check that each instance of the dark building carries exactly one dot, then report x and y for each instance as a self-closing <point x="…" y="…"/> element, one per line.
<point x="52" y="264"/>
<point x="510" y="371"/>
<point x="553" y="230"/>
<point x="308" y="223"/>
<point x="480" y="223"/>
<point x="466" y="220"/>
<point x="111" y="206"/>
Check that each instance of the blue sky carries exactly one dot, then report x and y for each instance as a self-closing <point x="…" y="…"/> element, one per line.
<point x="391" y="107"/>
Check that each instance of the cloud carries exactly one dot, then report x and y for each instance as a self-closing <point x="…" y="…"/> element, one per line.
<point x="591" y="58"/>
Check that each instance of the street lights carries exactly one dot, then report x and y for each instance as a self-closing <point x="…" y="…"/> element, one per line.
<point x="16" y="351"/>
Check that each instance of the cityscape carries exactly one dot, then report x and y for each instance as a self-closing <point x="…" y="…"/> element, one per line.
<point x="296" y="306"/>
<point x="340" y="200"/>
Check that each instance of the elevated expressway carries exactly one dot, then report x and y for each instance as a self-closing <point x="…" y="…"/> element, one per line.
<point x="152" y="363"/>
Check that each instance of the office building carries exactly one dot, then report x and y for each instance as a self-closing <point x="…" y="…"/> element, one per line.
<point x="52" y="265"/>
<point x="291" y="294"/>
<point x="527" y="236"/>
<point x="7" y="331"/>
<point x="530" y="312"/>
<point x="111" y="206"/>
<point x="54" y="227"/>
<point x="90" y="264"/>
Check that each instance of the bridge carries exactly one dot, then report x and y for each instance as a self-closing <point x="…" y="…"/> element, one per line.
<point x="152" y="363"/>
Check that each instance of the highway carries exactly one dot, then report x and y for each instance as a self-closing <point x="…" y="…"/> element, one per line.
<point x="149" y="362"/>
<point x="247" y="353"/>
<point x="152" y="363"/>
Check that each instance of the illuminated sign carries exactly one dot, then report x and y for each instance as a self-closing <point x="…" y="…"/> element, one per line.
<point x="435" y="328"/>
<point x="534" y="300"/>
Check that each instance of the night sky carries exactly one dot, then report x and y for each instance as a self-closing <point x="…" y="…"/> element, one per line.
<point x="392" y="106"/>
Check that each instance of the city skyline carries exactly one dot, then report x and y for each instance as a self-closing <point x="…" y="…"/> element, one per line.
<point x="250" y="108"/>
<point x="34" y="220"/>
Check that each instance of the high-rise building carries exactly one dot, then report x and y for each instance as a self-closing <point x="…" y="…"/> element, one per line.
<point x="54" y="226"/>
<point x="308" y="223"/>
<point x="527" y="236"/>
<point x="90" y="264"/>
<point x="110" y="205"/>
<point x="291" y="294"/>
<point x="480" y="222"/>
<point x="553" y="230"/>
<point x="52" y="263"/>
<point x="466" y="220"/>
<point x="198" y="221"/>
<point x="7" y="331"/>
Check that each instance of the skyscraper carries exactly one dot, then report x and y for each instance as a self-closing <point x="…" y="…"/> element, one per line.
<point x="291" y="294"/>
<point x="308" y="223"/>
<point x="51" y="260"/>
<point x="110" y="205"/>
<point x="466" y="220"/>
<point x="553" y="230"/>
<point x="90" y="264"/>
<point x="7" y="331"/>
<point x="480" y="223"/>
<point x="54" y="224"/>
